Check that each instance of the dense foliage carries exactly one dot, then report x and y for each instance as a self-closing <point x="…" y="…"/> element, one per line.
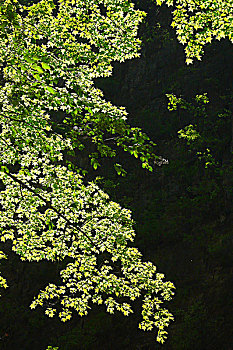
<point x="198" y="22"/>
<point x="46" y="209"/>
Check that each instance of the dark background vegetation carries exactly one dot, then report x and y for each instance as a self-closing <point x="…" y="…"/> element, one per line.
<point x="183" y="210"/>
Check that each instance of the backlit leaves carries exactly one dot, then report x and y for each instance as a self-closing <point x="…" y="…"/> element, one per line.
<point x="48" y="211"/>
<point x="199" y="22"/>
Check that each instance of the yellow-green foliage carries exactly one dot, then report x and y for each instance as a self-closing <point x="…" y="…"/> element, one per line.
<point x="47" y="211"/>
<point x="198" y="22"/>
<point x="3" y="283"/>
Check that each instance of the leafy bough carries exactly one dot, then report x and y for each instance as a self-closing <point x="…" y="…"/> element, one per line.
<point x="55" y="216"/>
<point x="49" y="56"/>
<point x="199" y="22"/>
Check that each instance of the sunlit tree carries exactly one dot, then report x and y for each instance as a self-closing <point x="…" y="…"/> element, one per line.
<point x="199" y="22"/>
<point x="50" y="54"/>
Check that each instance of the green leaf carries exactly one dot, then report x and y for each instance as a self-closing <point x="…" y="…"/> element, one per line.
<point x="50" y="89"/>
<point x="4" y="169"/>
<point x="28" y="59"/>
<point x="36" y="76"/>
<point x="38" y="68"/>
<point x="45" y="65"/>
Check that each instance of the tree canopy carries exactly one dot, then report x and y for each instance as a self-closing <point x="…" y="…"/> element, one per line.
<point x="50" y="54"/>
<point x="198" y="22"/>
